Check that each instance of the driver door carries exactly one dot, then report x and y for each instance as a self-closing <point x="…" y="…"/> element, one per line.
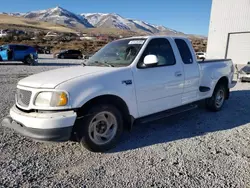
<point x="160" y="87"/>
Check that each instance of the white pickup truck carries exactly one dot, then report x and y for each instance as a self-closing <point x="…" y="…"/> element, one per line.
<point x="130" y="80"/>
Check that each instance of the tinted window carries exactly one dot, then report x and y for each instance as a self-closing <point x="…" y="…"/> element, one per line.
<point x="74" y="52"/>
<point x="184" y="51"/>
<point x="20" y="48"/>
<point x="162" y="49"/>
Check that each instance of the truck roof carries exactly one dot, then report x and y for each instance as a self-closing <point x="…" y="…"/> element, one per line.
<point x="156" y="36"/>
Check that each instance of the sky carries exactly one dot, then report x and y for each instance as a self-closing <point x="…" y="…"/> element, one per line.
<point x="188" y="16"/>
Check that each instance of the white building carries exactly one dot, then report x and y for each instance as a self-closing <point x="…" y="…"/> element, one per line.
<point x="51" y="34"/>
<point x="3" y="33"/>
<point x="229" y="31"/>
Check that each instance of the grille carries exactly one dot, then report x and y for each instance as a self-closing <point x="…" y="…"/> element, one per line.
<point x="23" y="97"/>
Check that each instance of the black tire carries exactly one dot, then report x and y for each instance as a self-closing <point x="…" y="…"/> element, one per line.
<point x="1" y="58"/>
<point x="28" y="60"/>
<point x="83" y="128"/>
<point x="212" y="103"/>
<point x="61" y="57"/>
<point x="79" y="57"/>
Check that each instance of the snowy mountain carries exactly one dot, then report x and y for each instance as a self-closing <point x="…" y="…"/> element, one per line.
<point x="60" y="16"/>
<point x="99" y="20"/>
<point x="107" y="20"/>
<point x="18" y="14"/>
<point x="114" y="20"/>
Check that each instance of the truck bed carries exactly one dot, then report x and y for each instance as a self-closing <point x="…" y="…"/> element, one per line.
<point x="213" y="60"/>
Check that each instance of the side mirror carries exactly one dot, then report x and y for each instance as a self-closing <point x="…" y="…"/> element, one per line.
<point x="150" y="60"/>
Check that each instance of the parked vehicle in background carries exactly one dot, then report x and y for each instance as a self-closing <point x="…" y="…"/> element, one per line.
<point x="244" y="73"/>
<point x="201" y="55"/>
<point x="137" y="79"/>
<point x="69" y="54"/>
<point x="16" y="52"/>
<point x="43" y="49"/>
<point x="3" y="33"/>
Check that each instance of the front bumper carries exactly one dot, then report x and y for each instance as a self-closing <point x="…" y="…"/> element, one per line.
<point x="53" y="126"/>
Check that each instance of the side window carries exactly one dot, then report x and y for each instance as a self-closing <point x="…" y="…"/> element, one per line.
<point x="20" y="48"/>
<point x="76" y="52"/>
<point x="184" y="50"/>
<point x="162" y="49"/>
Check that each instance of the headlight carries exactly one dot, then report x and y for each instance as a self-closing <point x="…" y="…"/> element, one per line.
<point x="51" y="99"/>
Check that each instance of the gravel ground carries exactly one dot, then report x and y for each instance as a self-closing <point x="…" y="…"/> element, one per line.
<point x="194" y="149"/>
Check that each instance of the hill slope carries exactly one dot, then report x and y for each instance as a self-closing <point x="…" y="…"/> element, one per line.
<point x="12" y="21"/>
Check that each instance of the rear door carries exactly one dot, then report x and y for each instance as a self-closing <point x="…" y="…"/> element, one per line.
<point x="160" y="87"/>
<point x="191" y="71"/>
<point x="20" y="52"/>
<point x="73" y="54"/>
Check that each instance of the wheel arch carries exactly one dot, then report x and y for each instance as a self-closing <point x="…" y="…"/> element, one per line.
<point x="115" y="100"/>
<point x="224" y="81"/>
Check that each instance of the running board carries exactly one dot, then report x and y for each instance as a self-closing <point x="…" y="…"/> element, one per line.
<point x="167" y="113"/>
<point x="204" y="89"/>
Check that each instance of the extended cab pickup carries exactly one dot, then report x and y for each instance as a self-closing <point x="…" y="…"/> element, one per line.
<point x="136" y="79"/>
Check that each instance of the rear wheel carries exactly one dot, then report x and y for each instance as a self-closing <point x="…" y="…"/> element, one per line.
<point x="101" y="130"/>
<point x="217" y="100"/>
<point x="79" y="57"/>
<point x="62" y="56"/>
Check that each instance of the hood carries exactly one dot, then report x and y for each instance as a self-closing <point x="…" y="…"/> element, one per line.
<point x="50" y="79"/>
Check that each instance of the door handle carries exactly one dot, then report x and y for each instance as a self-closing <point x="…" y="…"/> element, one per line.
<point x="178" y="74"/>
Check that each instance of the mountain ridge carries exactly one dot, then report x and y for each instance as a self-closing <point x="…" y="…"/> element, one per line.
<point x="67" y="18"/>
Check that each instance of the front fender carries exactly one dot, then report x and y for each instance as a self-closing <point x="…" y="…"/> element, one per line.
<point x="92" y="93"/>
<point x="4" y="55"/>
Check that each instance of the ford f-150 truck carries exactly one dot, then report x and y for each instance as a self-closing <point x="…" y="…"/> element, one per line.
<point x="137" y="79"/>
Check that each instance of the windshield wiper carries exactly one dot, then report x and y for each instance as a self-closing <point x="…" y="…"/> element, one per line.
<point x="104" y="63"/>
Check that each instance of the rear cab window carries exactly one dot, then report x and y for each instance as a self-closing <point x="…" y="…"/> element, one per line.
<point x="184" y="50"/>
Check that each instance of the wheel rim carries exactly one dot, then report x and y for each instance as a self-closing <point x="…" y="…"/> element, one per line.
<point x="220" y="97"/>
<point x="102" y="128"/>
<point x="29" y="61"/>
<point x="79" y="57"/>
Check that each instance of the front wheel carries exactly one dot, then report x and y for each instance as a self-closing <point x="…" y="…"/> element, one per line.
<point x="101" y="129"/>
<point x="29" y="60"/>
<point x="217" y="100"/>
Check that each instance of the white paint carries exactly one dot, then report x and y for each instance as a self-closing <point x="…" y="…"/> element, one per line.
<point x="150" y="59"/>
<point x="152" y="90"/>
<point x="44" y="121"/>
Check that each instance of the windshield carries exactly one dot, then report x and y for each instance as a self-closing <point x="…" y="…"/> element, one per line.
<point x="4" y="47"/>
<point x="118" y="53"/>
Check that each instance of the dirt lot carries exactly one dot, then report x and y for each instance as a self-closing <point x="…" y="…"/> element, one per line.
<point x="194" y="149"/>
